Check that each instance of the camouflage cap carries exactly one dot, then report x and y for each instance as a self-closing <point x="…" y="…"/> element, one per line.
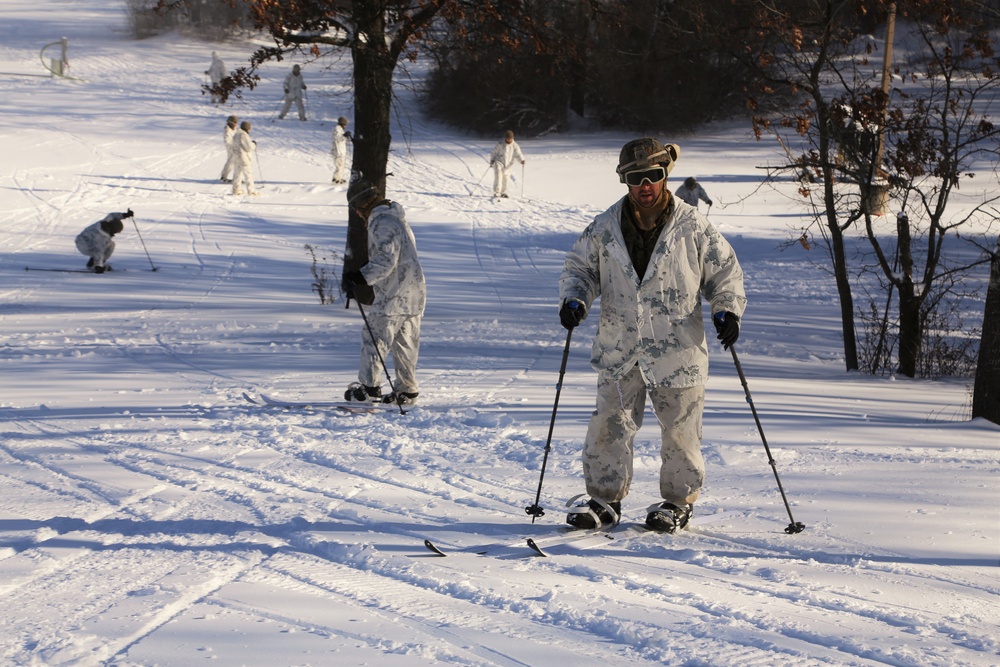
<point x="645" y="153"/>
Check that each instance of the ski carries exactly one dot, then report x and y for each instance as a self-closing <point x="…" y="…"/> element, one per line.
<point x="569" y="540"/>
<point x="620" y="531"/>
<point x="346" y="406"/>
<point x="35" y="268"/>
<point x="575" y="540"/>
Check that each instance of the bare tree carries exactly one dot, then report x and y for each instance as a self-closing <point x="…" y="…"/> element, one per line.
<point x="936" y="132"/>
<point x="841" y="124"/>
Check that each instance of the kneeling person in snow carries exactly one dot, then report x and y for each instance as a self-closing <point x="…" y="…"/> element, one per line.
<point x="394" y="273"/>
<point x="96" y="240"/>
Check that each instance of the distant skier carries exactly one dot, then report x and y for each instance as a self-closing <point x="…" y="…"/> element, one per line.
<point x="294" y="87"/>
<point x="243" y="155"/>
<point x="232" y="127"/>
<point x="216" y="73"/>
<point x="502" y="159"/>
<point x="691" y="191"/>
<point x="96" y="241"/>
<point x="394" y="273"/>
<point x="651" y="260"/>
<point x="339" y="150"/>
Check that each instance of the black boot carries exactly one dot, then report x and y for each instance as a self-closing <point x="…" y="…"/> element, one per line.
<point x="405" y="397"/>
<point x="359" y="393"/>
<point x="669" y="518"/>
<point x="594" y="514"/>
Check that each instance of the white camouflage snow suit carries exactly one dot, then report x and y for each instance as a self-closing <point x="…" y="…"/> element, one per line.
<point x="294" y="85"/>
<point x="394" y="272"/>
<point x="502" y="159"/>
<point x="339" y="152"/>
<point x="650" y="337"/>
<point x="243" y="150"/>
<point x="97" y="244"/>
<point x="227" y="136"/>
<point x="691" y="195"/>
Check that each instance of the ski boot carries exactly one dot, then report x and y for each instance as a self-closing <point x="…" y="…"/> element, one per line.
<point x="668" y="518"/>
<point x="594" y="513"/>
<point x="359" y="393"/>
<point x="405" y="398"/>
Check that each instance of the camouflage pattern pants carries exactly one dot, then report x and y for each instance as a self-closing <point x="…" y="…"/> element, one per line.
<point x="608" y="448"/>
<point x="395" y="334"/>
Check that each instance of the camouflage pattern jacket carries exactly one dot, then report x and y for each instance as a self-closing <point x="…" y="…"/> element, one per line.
<point x="393" y="269"/>
<point x="655" y="320"/>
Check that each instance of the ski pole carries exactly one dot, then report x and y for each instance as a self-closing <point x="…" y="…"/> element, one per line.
<point x="152" y="266"/>
<point x="794" y="526"/>
<point x="379" y="354"/>
<point x="522" y="179"/>
<point x="536" y="510"/>
<point x="257" y="160"/>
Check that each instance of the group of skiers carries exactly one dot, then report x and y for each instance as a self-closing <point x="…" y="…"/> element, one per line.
<point x="651" y="259"/>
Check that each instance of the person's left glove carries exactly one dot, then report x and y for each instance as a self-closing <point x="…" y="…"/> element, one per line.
<point x="304" y="86"/>
<point x="128" y="214"/>
<point x="572" y="313"/>
<point x="728" y="327"/>
<point x="348" y="135"/>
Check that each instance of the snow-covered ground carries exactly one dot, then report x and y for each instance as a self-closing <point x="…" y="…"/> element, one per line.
<point x="150" y="516"/>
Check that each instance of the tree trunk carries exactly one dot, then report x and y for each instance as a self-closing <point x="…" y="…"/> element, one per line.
<point x="986" y="393"/>
<point x="373" y="69"/>
<point x="910" y="329"/>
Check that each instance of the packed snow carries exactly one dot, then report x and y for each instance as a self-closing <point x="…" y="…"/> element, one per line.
<point x="150" y="515"/>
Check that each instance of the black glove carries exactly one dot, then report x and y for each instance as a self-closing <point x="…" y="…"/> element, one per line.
<point x="128" y="214"/>
<point x="352" y="280"/>
<point x="572" y="313"/>
<point x="286" y="91"/>
<point x="709" y="202"/>
<point x="348" y="135"/>
<point x="98" y="269"/>
<point x="728" y="326"/>
<point x="303" y="86"/>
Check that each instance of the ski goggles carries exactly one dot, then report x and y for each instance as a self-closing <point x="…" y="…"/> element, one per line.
<point x="640" y="176"/>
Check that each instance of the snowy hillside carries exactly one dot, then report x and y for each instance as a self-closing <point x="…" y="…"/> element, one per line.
<point x="149" y="515"/>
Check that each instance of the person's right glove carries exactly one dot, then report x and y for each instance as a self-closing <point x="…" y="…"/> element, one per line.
<point x="728" y="326"/>
<point x="353" y="280"/>
<point x="572" y="313"/>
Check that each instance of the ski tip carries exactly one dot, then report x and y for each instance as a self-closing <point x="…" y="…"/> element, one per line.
<point x="433" y="548"/>
<point x="534" y="547"/>
<point x="249" y="398"/>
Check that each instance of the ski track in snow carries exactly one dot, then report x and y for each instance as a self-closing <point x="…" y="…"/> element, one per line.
<point x="150" y="516"/>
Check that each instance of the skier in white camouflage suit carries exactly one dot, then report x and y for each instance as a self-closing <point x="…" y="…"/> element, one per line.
<point x="96" y="240"/>
<point x="650" y="258"/>
<point x="216" y="73"/>
<point x="228" y="133"/>
<point x="503" y="158"/>
<point x="244" y="149"/>
<point x="394" y="273"/>
<point x="341" y="135"/>
<point x="294" y="87"/>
